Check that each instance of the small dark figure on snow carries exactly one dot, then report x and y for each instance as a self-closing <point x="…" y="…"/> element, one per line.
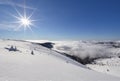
<point x="11" y="48"/>
<point x="32" y="52"/>
<point x="107" y="69"/>
<point x="119" y="56"/>
<point x="15" y="48"/>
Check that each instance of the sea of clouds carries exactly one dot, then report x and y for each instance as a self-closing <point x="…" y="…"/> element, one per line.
<point x="85" y="49"/>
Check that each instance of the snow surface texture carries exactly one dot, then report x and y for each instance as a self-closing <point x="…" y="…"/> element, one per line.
<point x="108" y="66"/>
<point x="44" y="65"/>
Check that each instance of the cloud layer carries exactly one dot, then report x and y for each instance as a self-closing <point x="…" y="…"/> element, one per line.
<point x="84" y="49"/>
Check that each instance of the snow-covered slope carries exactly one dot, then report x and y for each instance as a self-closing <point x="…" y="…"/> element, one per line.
<point x="108" y="66"/>
<point x="107" y="51"/>
<point x="44" y="65"/>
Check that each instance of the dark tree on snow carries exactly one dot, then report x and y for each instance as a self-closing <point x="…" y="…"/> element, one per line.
<point x="11" y="48"/>
<point x="32" y="52"/>
<point x="108" y="70"/>
<point x="15" y="48"/>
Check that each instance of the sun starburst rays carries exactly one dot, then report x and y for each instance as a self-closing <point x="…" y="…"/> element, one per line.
<point x="23" y="20"/>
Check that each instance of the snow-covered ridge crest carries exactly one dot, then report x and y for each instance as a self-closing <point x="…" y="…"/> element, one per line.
<point x="83" y="49"/>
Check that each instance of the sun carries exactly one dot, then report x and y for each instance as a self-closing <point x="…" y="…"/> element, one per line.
<point x="25" y="22"/>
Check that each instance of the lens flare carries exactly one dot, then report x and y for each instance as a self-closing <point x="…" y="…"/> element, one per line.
<point x="23" y="19"/>
<point x="26" y="22"/>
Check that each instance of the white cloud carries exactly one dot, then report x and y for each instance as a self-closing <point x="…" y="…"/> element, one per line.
<point x="7" y="26"/>
<point x="83" y="49"/>
<point x="11" y="3"/>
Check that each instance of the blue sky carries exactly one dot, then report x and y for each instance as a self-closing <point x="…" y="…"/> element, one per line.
<point x="63" y="19"/>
